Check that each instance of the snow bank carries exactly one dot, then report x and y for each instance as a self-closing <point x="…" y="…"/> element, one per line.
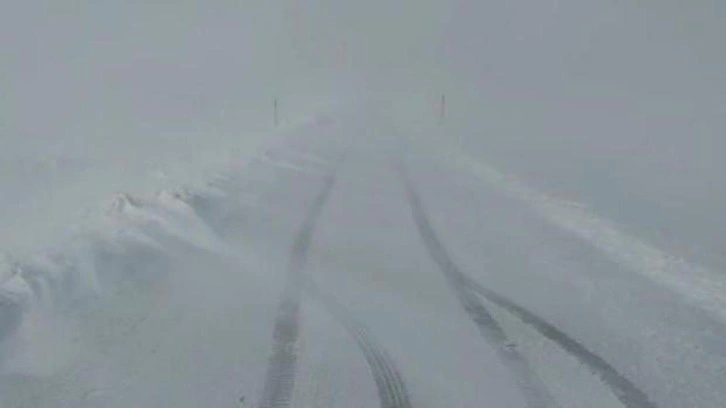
<point x="701" y="286"/>
<point x="125" y="241"/>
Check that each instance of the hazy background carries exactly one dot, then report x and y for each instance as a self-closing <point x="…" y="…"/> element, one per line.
<point x="621" y="105"/>
<point x="618" y="104"/>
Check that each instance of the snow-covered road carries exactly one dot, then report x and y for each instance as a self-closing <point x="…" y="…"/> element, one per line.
<point x="359" y="263"/>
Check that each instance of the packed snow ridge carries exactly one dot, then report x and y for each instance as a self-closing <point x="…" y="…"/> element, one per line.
<point x="132" y="230"/>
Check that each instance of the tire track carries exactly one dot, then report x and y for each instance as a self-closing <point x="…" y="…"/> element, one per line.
<point x="531" y="385"/>
<point x="625" y="391"/>
<point x="391" y="388"/>
<point x="282" y="364"/>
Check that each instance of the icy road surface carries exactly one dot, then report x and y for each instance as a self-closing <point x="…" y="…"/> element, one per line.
<point x="359" y="263"/>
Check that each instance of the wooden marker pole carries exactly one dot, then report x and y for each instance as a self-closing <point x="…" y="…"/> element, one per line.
<point x="276" y="112"/>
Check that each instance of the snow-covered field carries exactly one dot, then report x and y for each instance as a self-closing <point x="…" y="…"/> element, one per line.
<point x="555" y="239"/>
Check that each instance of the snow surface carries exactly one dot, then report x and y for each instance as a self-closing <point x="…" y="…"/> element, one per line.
<point x="555" y="240"/>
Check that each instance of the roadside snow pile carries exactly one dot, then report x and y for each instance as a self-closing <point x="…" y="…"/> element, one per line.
<point x="703" y="287"/>
<point x="167" y="215"/>
<point x="128" y="241"/>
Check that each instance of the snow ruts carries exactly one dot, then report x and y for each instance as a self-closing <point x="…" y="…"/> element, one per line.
<point x="281" y="371"/>
<point x="280" y="378"/>
<point x="466" y="290"/>
<point x="391" y="388"/>
<point x="533" y="388"/>
<point x="625" y="391"/>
